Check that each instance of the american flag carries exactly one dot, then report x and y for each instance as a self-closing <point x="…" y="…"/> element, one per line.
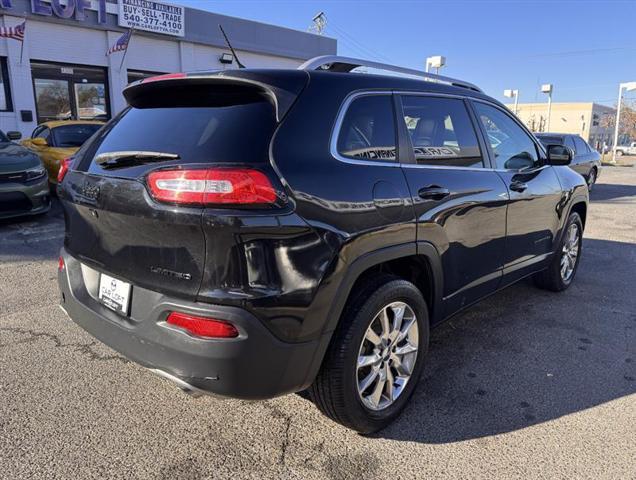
<point x="121" y="44"/>
<point x="17" y="32"/>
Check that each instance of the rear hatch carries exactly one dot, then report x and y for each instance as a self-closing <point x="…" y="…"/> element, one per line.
<point x="119" y="224"/>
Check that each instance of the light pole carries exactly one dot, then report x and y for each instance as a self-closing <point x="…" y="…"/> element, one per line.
<point x="511" y="94"/>
<point x="436" y="62"/>
<point x="628" y="87"/>
<point x="548" y="88"/>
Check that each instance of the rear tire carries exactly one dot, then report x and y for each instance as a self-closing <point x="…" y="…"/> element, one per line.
<point x="365" y="379"/>
<point x="565" y="262"/>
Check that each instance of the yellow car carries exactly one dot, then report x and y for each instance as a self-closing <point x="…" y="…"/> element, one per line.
<point x="56" y="140"/>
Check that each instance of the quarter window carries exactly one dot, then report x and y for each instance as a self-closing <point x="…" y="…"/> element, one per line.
<point x="579" y="144"/>
<point x="441" y="131"/>
<point x="368" y="129"/>
<point x="512" y="146"/>
<point x="44" y="133"/>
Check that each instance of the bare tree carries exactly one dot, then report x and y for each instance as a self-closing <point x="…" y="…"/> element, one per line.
<point x="627" y="127"/>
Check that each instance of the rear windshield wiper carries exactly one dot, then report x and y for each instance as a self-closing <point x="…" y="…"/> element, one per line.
<point x="129" y="158"/>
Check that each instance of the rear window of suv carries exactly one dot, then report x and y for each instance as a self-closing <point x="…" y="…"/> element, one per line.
<point x="197" y="134"/>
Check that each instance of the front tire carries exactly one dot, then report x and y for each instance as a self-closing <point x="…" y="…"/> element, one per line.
<point x="376" y="355"/>
<point x="565" y="262"/>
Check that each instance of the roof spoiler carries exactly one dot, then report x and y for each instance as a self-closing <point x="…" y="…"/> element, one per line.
<point x="280" y="92"/>
<point x="336" y="63"/>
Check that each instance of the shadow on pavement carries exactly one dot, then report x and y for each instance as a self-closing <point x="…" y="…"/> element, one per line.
<point x="33" y="238"/>
<point x="610" y="191"/>
<point x="526" y="356"/>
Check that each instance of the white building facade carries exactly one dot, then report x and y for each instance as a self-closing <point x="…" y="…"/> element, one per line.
<point x="61" y="70"/>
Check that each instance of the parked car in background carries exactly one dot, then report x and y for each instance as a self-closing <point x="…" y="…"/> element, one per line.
<point x="24" y="188"/>
<point x="626" y="149"/>
<point x="56" y="140"/>
<point x="253" y="233"/>
<point x="585" y="160"/>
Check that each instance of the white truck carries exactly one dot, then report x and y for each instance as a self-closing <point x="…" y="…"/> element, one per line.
<point x="626" y="149"/>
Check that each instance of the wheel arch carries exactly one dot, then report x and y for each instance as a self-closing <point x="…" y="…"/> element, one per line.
<point x="402" y="260"/>
<point x="418" y="263"/>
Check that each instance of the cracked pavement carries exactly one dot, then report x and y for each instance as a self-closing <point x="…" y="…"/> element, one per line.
<point x="527" y="384"/>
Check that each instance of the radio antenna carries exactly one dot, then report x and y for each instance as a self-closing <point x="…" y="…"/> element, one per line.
<point x="227" y="40"/>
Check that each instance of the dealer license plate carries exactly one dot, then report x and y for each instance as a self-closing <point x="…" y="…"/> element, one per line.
<point x="114" y="293"/>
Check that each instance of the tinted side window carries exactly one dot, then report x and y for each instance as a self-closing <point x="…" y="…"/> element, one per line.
<point x="441" y="131"/>
<point x="368" y="129"/>
<point x="570" y="143"/>
<point x="579" y="144"/>
<point x="512" y="146"/>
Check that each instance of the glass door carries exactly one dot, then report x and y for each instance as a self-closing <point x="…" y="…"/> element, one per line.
<point x="90" y="99"/>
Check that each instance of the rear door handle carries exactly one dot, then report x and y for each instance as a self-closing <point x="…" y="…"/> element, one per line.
<point x="518" y="186"/>
<point x="433" y="192"/>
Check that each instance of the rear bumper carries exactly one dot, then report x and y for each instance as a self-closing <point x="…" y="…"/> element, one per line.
<point x="255" y="365"/>
<point x="20" y="199"/>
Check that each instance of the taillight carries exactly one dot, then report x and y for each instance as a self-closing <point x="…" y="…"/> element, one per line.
<point x="60" y="264"/>
<point x="64" y="166"/>
<point x="202" y="326"/>
<point x="220" y="186"/>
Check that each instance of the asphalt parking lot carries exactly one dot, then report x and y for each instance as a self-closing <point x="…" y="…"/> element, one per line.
<point x="528" y="384"/>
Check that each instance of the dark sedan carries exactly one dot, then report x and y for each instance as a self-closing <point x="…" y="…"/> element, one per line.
<point x="24" y="187"/>
<point x="585" y="160"/>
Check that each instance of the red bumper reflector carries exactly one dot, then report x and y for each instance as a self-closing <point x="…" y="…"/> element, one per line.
<point x="202" y="326"/>
<point x="60" y="264"/>
<point x="64" y="166"/>
<point x="215" y="186"/>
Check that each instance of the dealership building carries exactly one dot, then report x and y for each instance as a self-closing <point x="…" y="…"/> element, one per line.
<point x="61" y="70"/>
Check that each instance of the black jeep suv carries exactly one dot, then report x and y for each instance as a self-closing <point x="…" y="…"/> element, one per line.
<point x="252" y="233"/>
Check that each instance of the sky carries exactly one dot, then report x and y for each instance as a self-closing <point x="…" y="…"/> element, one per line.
<point x="583" y="47"/>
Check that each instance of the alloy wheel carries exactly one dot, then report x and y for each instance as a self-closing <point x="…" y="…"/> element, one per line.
<point x="387" y="355"/>
<point x="570" y="252"/>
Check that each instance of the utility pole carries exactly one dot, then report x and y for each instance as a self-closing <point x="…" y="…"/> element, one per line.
<point x="319" y="23"/>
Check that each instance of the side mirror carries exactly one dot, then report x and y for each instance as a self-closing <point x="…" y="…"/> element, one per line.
<point x="13" y="135"/>
<point x="39" y="142"/>
<point x="559" y="155"/>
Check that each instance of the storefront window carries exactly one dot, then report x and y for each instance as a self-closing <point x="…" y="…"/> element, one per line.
<point x="5" y="94"/>
<point x="53" y="100"/>
<point x="70" y="92"/>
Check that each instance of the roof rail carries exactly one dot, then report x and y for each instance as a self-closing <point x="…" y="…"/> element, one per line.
<point x="336" y="63"/>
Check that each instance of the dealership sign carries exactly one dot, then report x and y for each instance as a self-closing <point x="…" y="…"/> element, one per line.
<point x="146" y="15"/>
<point x="152" y="16"/>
